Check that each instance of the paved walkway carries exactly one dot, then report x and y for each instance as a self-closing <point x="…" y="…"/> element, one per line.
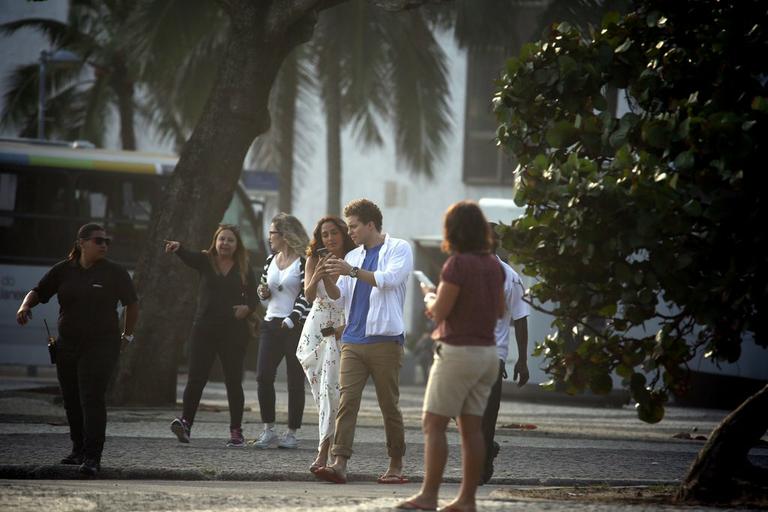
<point x="569" y="444"/>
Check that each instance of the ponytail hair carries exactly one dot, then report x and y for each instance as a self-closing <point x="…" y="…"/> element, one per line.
<point x="83" y="233"/>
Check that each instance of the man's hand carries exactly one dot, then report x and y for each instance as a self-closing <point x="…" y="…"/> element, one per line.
<point x="338" y="266"/>
<point x="520" y="373"/>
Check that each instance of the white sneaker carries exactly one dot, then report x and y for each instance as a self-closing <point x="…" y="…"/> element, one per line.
<point x="288" y="440"/>
<point x="266" y="439"/>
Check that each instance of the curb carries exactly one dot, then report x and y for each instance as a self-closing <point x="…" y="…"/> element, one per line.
<point x="63" y="472"/>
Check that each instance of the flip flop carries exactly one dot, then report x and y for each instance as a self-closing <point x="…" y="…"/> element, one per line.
<point x="409" y="505"/>
<point x="314" y="468"/>
<point x="392" y="479"/>
<point x="329" y="474"/>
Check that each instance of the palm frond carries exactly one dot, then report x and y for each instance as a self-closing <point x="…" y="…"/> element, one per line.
<point x="97" y="111"/>
<point x="421" y="113"/>
<point x="158" y="113"/>
<point x="54" y="31"/>
<point x="21" y="92"/>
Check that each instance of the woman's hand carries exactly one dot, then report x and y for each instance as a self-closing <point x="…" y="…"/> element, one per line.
<point x="171" y="246"/>
<point x="426" y="290"/>
<point x="263" y="291"/>
<point x="24" y="314"/>
<point x="241" y="311"/>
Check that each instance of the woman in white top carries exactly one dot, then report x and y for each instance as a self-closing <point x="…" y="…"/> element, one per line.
<point x="318" y="350"/>
<point x="282" y="290"/>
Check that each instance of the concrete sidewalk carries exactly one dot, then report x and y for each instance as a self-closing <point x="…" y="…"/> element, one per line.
<point x="569" y="444"/>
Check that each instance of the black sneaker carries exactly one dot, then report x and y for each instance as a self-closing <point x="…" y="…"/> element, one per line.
<point x="90" y="466"/>
<point x="488" y="469"/>
<point x="73" y="459"/>
<point x="182" y="429"/>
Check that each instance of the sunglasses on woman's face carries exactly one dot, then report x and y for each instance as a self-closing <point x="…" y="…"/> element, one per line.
<point x="100" y="240"/>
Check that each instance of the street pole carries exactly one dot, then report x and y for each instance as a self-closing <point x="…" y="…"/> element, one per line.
<point x="41" y="96"/>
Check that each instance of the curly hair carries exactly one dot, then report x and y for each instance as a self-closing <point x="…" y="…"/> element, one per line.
<point x="365" y="210"/>
<point x="465" y="229"/>
<point x="317" y="235"/>
<point x="293" y="232"/>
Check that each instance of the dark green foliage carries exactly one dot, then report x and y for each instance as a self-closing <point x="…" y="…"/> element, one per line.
<point x="646" y="230"/>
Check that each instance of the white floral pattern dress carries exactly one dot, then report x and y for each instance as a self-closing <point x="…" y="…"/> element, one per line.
<point x="319" y="356"/>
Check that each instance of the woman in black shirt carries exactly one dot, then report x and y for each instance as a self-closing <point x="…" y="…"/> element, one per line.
<point x="227" y="296"/>
<point x="88" y="287"/>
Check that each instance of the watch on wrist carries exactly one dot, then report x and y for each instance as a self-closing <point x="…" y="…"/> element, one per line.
<point x="127" y="337"/>
<point x="354" y="272"/>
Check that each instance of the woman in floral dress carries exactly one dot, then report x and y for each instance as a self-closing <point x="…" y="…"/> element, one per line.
<point x="318" y="349"/>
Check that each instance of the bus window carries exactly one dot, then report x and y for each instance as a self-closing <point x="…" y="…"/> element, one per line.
<point x="35" y="215"/>
<point x="95" y="197"/>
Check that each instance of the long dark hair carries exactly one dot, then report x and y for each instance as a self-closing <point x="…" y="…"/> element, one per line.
<point x="317" y="235"/>
<point x="83" y="233"/>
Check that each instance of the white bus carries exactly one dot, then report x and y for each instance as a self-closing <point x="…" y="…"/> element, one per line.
<point x="48" y="190"/>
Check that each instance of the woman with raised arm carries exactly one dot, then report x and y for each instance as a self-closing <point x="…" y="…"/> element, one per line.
<point x="227" y="295"/>
<point x="318" y="350"/>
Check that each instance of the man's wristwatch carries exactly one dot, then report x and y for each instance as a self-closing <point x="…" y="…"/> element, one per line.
<point x="354" y="272"/>
<point x="127" y="337"/>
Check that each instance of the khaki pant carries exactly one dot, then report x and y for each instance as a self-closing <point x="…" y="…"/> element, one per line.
<point x="382" y="362"/>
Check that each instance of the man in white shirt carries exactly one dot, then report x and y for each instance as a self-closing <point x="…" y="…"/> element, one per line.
<point x="516" y="313"/>
<point x="372" y="282"/>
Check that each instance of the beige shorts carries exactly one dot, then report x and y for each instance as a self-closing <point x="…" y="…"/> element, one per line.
<point x="460" y="380"/>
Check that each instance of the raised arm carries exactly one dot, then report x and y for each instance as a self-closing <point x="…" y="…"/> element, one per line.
<point x="311" y="279"/>
<point x="196" y="260"/>
<point x="440" y="304"/>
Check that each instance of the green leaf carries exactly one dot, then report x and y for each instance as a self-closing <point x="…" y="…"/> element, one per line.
<point x="685" y="160"/>
<point x="623" y="47"/>
<point x="656" y="134"/>
<point x="607" y="311"/>
<point x="760" y="103"/>
<point x="601" y="384"/>
<point x="599" y="102"/>
<point x="561" y="134"/>
<point x="610" y="18"/>
<point x="650" y="411"/>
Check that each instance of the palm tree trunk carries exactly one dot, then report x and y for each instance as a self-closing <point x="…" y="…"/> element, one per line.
<point x="123" y="87"/>
<point x="333" y="136"/>
<point x="722" y="471"/>
<point x="285" y="125"/>
<point x="200" y="190"/>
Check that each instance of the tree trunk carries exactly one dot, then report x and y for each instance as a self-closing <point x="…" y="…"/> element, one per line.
<point x="198" y="194"/>
<point x="722" y="471"/>
<point x="123" y="87"/>
<point x="286" y="136"/>
<point x="333" y="135"/>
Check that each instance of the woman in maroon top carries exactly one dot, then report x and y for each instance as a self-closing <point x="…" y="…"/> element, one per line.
<point x="468" y="302"/>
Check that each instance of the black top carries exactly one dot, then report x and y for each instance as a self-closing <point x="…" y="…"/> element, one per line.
<point x="219" y="293"/>
<point x="87" y="297"/>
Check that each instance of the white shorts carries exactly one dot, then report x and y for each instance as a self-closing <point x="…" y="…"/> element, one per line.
<point x="460" y="380"/>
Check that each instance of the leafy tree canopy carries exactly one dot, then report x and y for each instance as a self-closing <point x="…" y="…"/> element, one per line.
<point x="645" y="230"/>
